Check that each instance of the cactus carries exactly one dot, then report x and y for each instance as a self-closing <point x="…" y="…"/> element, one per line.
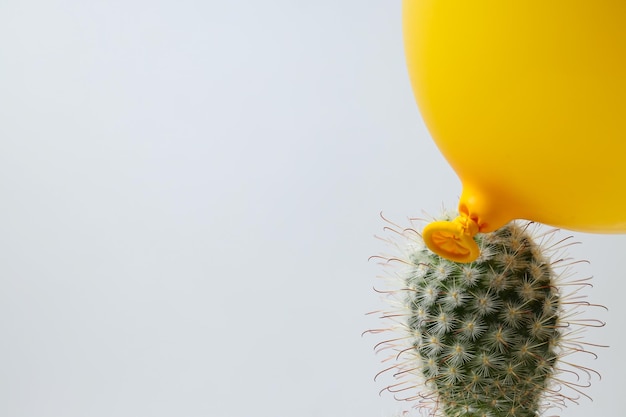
<point x="488" y="338"/>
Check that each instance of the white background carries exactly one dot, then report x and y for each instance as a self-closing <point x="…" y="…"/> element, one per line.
<point x="188" y="196"/>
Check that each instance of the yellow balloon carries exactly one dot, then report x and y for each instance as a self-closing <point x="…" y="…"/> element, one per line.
<point x="527" y="102"/>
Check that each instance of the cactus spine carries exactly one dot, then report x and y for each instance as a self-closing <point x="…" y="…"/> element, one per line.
<point x="483" y="339"/>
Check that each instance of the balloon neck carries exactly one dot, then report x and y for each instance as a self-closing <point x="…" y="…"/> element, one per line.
<point x="453" y="240"/>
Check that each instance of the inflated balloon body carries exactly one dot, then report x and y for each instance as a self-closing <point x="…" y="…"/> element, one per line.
<point x="527" y="102"/>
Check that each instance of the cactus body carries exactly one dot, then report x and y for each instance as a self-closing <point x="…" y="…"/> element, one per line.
<point x="485" y="338"/>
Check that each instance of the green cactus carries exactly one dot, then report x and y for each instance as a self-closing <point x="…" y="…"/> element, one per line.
<point x="483" y="339"/>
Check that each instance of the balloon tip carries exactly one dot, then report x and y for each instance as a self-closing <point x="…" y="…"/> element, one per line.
<point x="453" y="240"/>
